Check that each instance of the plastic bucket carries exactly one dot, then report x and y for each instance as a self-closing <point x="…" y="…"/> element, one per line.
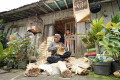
<point x="115" y="66"/>
<point x="102" y="68"/>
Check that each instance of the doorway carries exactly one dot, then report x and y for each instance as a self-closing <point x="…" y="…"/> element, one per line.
<point x="61" y="26"/>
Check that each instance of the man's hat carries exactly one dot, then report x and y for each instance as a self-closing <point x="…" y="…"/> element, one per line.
<point x="57" y="36"/>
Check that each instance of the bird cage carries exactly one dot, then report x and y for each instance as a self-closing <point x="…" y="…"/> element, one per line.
<point x="81" y="10"/>
<point x="34" y="24"/>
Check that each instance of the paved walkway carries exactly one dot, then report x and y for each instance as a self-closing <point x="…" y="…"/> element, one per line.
<point x="18" y="75"/>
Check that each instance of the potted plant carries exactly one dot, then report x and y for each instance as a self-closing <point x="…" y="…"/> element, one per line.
<point x="95" y="35"/>
<point x="100" y="66"/>
<point x="116" y="63"/>
<point x="111" y="41"/>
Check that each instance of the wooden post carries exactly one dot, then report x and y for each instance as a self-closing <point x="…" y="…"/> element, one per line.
<point x="80" y="46"/>
<point x="51" y="30"/>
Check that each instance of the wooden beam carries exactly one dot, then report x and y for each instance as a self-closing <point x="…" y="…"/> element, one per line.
<point x="42" y="9"/>
<point x="25" y="12"/>
<point x="66" y="3"/>
<point x="9" y="19"/>
<point x="16" y="16"/>
<point x="33" y="10"/>
<point x="57" y="4"/>
<point x="20" y="16"/>
<point x="104" y="1"/>
<point x="48" y="6"/>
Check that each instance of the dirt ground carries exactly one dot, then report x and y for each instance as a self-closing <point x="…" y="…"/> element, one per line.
<point x="19" y="75"/>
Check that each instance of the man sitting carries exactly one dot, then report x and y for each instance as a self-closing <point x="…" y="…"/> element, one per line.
<point x="54" y="58"/>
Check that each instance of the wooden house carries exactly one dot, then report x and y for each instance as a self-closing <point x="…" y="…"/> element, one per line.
<point x="55" y="16"/>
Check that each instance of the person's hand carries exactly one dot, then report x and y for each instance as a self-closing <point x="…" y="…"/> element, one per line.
<point x="57" y="46"/>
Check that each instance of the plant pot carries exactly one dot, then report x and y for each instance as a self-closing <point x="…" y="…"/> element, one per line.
<point x="115" y="66"/>
<point x="102" y="68"/>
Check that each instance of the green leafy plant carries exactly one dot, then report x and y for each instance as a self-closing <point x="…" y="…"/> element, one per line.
<point x="116" y="18"/>
<point x="1" y="48"/>
<point x="19" y="46"/>
<point x="19" y="49"/>
<point x="22" y="47"/>
<point x="96" y="59"/>
<point x="3" y="39"/>
<point x="1" y="21"/>
<point x="96" y="28"/>
<point x="5" y="55"/>
<point x="111" y="41"/>
<point x="3" y="36"/>
<point x="31" y="50"/>
<point x="95" y="34"/>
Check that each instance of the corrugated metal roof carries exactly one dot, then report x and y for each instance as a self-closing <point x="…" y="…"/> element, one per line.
<point x="40" y="8"/>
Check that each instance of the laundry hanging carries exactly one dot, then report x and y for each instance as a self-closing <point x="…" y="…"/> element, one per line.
<point x="81" y="10"/>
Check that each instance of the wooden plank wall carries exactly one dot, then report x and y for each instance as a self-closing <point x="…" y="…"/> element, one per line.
<point x="21" y="29"/>
<point x="60" y="15"/>
<point x="47" y="30"/>
<point x="108" y="11"/>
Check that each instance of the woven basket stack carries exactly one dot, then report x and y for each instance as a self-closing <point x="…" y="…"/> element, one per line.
<point x="43" y="50"/>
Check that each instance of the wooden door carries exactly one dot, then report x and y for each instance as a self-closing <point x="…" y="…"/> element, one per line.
<point x="70" y="41"/>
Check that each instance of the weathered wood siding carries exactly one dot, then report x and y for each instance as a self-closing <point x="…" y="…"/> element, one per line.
<point x="20" y="26"/>
<point x="60" y="15"/>
<point x="108" y="11"/>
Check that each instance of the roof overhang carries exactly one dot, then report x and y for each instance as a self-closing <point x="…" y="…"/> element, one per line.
<point x="40" y="8"/>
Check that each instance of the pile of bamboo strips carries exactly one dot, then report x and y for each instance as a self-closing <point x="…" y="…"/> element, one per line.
<point x="65" y="68"/>
<point x="78" y="66"/>
<point x="44" y="50"/>
<point x="32" y="70"/>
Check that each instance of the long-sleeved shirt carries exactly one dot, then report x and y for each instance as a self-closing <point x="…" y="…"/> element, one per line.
<point x="53" y="49"/>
